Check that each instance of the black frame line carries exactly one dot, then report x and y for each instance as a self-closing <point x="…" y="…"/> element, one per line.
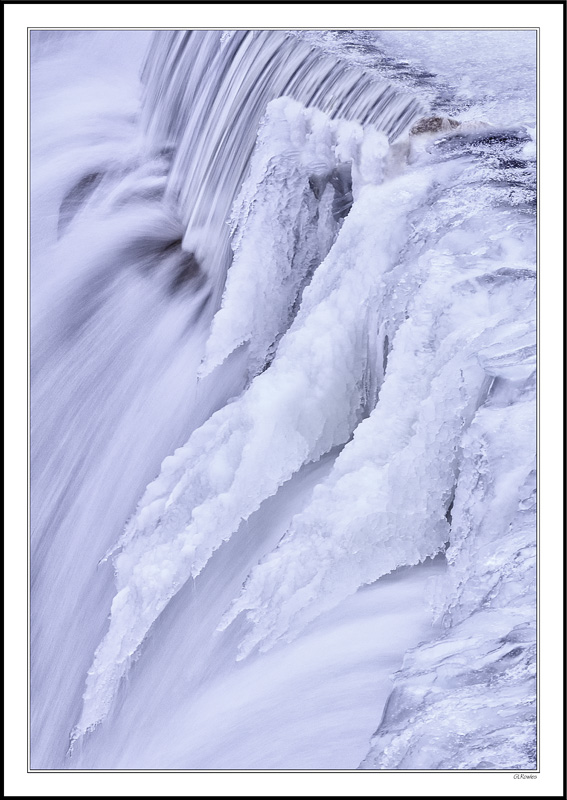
<point x="533" y="773"/>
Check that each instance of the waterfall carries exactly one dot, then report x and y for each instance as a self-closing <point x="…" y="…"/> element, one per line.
<point x="283" y="402"/>
<point x="209" y="123"/>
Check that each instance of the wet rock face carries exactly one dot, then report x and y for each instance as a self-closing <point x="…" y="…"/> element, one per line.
<point x="340" y="179"/>
<point x="434" y="125"/>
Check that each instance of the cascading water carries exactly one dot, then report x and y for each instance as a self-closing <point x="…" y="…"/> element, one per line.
<point x="283" y="389"/>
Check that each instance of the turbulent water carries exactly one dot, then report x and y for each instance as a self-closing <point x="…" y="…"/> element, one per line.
<point x="283" y="386"/>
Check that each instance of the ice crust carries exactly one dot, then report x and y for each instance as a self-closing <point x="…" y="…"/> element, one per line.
<point x="387" y="499"/>
<point x="309" y="401"/>
<point x="283" y="225"/>
<point x="467" y="701"/>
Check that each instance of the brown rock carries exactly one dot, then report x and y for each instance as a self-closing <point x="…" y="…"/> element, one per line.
<point x="434" y="125"/>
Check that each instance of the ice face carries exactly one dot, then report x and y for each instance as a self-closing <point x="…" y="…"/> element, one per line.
<point x="387" y="500"/>
<point x="283" y="421"/>
<point x="451" y="696"/>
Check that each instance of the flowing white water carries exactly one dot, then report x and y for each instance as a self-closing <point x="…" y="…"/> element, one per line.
<point x="378" y="310"/>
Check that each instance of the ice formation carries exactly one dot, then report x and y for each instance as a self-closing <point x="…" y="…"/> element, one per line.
<point x="452" y="696"/>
